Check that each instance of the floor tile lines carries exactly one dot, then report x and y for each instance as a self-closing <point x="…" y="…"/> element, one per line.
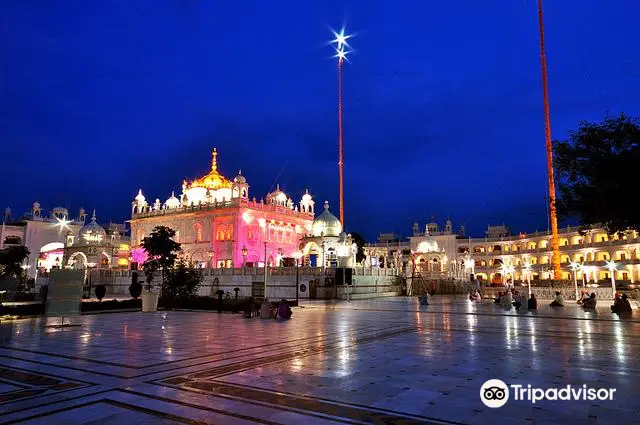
<point x="635" y="340"/>
<point x="278" y="358"/>
<point x="524" y="314"/>
<point x="279" y="393"/>
<point x="43" y="402"/>
<point x="179" y="367"/>
<point x="34" y="384"/>
<point x="197" y="406"/>
<point x="310" y="405"/>
<point x="106" y="363"/>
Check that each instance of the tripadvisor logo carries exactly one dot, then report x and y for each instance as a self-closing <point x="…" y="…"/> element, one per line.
<point x="495" y="393"/>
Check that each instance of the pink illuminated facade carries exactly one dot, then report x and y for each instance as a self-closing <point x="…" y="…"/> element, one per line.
<point x="219" y="225"/>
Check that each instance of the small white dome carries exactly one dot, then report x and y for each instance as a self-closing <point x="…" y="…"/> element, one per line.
<point x="306" y="197"/>
<point x="92" y="233"/>
<point x="172" y="201"/>
<point x="240" y="178"/>
<point x="277" y="197"/>
<point x="140" y="197"/>
<point x="326" y="224"/>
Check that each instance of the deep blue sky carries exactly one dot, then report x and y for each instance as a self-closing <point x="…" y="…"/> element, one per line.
<point x="443" y="106"/>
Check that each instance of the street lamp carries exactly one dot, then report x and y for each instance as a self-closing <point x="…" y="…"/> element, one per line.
<point x="245" y="251"/>
<point x="575" y="267"/>
<point x="527" y="271"/>
<point x="612" y="266"/>
<point x="297" y="255"/>
<point x="210" y="253"/>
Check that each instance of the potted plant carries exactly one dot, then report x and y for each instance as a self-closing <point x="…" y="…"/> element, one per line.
<point x="149" y="296"/>
<point x="162" y="251"/>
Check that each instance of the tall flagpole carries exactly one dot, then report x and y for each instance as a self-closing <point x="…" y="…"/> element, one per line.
<point x="341" y="53"/>
<point x="340" y="157"/>
<point x="555" y="244"/>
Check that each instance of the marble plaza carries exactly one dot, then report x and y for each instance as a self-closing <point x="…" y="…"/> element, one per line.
<point x="385" y="361"/>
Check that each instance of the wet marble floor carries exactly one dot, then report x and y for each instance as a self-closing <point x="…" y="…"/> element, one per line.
<point x="385" y="361"/>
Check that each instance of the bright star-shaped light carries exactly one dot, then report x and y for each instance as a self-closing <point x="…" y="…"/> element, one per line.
<point x="341" y="54"/>
<point x="611" y="265"/>
<point x="341" y="39"/>
<point x="62" y="223"/>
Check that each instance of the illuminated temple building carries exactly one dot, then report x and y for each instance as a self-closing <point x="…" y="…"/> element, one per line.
<point x="49" y="237"/>
<point x="219" y="225"/>
<point x="501" y="257"/>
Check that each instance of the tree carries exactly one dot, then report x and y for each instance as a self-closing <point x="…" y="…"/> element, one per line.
<point x="597" y="173"/>
<point x="11" y="260"/>
<point x="162" y="251"/>
<point x="182" y="281"/>
<point x="359" y="240"/>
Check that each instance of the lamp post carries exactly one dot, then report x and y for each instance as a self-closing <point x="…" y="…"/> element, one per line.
<point x="612" y="267"/>
<point x="575" y="267"/>
<point x="245" y="251"/>
<point x="297" y="255"/>
<point x="265" y="270"/>
<point x="527" y="271"/>
<point x="210" y="254"/>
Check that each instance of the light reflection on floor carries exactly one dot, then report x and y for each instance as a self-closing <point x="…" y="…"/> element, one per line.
<point x="387" y="358"/>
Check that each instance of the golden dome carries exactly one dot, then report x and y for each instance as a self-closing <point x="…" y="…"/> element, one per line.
<point x="213" y="180"/>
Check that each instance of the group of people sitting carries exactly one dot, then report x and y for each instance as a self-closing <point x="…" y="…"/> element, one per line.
<point x="265" y="310"/>
<point x="510" y="298"/>
<point x="621" y="304"/>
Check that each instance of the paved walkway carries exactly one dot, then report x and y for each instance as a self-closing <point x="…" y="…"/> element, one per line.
<point x="386" y="361"/>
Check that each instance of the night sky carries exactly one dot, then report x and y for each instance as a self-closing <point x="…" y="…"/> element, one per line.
<point x="443" y="102"/>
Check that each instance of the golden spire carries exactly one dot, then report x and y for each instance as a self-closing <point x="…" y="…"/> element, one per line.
<point x="214" y="160"/>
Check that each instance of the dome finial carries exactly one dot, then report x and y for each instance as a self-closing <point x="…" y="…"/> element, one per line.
<point x="277" y="187"/>
<point x="239" y="172"/>
<point x="326" y="205"/>
<point x="214" y="160"/>
<point x="93" y="216"/>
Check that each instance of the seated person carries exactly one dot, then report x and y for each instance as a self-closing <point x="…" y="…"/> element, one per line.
<point x="284" y="312"/>
<point x="425" y="299"/>
<point x="532" y="304"/>
<point x="590" y="303"/>
<point x="558" y="301"/>
<point x="498" y="299"/>
<point x="621" y="304"/>
<point x="583" y="297"/>
<point x="475" y="296"/>
<point x="517" y="300"/>
<point x="506" y="300"/>
<point x="626" y="304"/>
<point x="250" y="308"/>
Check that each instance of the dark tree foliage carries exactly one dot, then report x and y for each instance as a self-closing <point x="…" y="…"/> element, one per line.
<point x="162" y="251"/>
<point x="182" y="281"/>
<point x="359" y="240"/>
<point x="11" y="260"/>
<point x="597" y="174"/>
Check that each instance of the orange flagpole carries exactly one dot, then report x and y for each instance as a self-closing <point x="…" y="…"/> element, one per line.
<point x="555" y="244"/>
